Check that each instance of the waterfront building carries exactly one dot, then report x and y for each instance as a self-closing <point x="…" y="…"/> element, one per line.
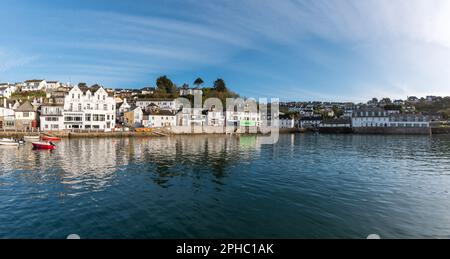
<point x="192" y="117"/>
<point x="370" y="117"/>
<point x="25" y="117"/>
<point x="215" y="118"/>
<point x="409" y="121"/>
<point x="344" y="122"/>
<point x="164" y="104"/>
<point x="158" y="118"/>
<point x="242" y="118"/>
<point x="51" y="118"/>
<point x="34" y="85"/>
<point x="89" y="108"/>
<point x="286" y="122"/>
<point x="310" y="122"/>
<point x="134" y="117"/>
<point x="7" y="118"/>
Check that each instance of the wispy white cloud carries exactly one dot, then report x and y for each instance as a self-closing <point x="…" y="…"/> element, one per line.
<point x="315" y="48"/>
<point x="11" y="59"/>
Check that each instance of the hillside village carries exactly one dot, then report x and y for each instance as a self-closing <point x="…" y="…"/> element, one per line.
<point x="42" y="105"/>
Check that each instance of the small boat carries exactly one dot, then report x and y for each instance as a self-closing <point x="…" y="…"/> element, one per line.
<point x="7" y="140"/>
<point x="8" y="143"/>
<point x="31" y="137"/>
<point x="43" y="145"/>
<point x="50" y="138"/>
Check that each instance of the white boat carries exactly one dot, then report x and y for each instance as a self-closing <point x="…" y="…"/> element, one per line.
<point x="31" y="137"/>
<point x="7" y="140"/>
<point x="8" y="143"/>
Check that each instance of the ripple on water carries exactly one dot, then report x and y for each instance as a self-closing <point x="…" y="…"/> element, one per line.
<point x="327" y="186"/>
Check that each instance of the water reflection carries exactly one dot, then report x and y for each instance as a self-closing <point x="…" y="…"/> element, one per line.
<point x="228" y="187"/>
<point x="94" y="164"/>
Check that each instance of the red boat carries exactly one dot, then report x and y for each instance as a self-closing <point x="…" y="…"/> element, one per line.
<point x="49" y="138"/>
<point x="43" y="145"/>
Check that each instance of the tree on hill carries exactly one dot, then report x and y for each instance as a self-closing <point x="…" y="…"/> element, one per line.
<point x="165" y="87"/>
<point x="198" y="82"/>
<point x="220" y="86"/>
<point x="82" y="84"/>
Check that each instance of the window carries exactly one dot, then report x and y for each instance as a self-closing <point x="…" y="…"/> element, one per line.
<point x="96" y="106"/>
<point x="26" y="114"/>
<point x="87" y="117"/>
<point x="104" y="97"/>
<point x="79" y="107"/>
<point x="88" y="106"/>
<point x="105" y="107"/>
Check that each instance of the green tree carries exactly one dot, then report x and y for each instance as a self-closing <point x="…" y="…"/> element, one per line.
<point x="165" y="86"/>
<point x="198" y="82"/>
<point x="220" y="86"/>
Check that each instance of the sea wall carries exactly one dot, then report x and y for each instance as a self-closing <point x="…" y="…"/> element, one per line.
<point x="441" y="130"/>
<point x="187" y="130"/>
<point x="393" y="131"/>
<point x="337" y="130"/>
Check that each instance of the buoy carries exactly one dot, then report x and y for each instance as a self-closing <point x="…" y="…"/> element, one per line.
<point x="73" y="236"/>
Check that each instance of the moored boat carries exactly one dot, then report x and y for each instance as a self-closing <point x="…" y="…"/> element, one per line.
<point x="50" y="138"/>
<point x="31" y="137"/>
<point x="43" y="145"/>
<point x="8" y="143"/>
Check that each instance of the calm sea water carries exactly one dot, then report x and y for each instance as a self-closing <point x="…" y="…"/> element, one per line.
<point x="306" y="186"/>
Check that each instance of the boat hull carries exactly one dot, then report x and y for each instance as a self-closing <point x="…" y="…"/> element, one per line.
<point x="7" y="143"/>
<point x="47" y="138"/>
<point x="43" y="146"/>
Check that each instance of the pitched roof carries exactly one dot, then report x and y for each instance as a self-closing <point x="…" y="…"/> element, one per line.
<point x="160" y="113"/>
<point x="34" y="81"/>
<point x="25" y="107"/>
<point x="155" y="100"/>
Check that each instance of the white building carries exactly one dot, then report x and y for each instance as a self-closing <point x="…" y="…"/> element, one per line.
<point x="53" y="85"/>
<point x="6" y="90"/>
<point x="164" y="104"/>
<point x="192" y="117"/>
<point x="370" y="117"/>
<point x="246" y="116"/>
<point x="310" y="122"/>
<point x="190" y="91"/>
<point x="89" y="108"/>
<point x="159" y="119"/>
<point x="34" y="85"/>
<point x="409" y="121"/>
<point x="215" y="118"/>
<point x="52" y="117"/>
<point x="7" y="117"/>
<point x="286" y="122"/>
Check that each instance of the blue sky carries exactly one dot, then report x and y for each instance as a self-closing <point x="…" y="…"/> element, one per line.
<point x="293" y="50"/>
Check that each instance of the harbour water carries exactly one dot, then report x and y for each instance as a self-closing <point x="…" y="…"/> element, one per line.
<point x="305" y="186"/>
